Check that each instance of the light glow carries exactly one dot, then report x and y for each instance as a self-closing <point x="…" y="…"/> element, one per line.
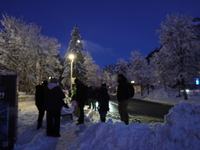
<point x="71" y="56"/>
<point x="197" y="81"/>
<point x="132" y="81"/>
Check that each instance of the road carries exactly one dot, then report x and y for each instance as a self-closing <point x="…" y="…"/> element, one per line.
<point x="143" y="107"/>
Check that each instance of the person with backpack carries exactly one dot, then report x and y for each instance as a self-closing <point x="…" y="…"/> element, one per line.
<point x="124" y="92"/>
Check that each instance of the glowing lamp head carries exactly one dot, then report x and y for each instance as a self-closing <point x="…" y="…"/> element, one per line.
<point x="71" y="56"/>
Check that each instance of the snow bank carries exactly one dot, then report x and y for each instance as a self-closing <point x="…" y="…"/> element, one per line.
<point x="181" y="130"/>
<point x="168" y="96"/>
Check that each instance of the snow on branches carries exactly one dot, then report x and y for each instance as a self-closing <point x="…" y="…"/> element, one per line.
<point x="23" y="50"/>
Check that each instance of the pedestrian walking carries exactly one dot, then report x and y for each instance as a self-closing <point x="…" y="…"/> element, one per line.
<point x="103" y="100"/>
<point x="81" y="97"/>
<point x="122" y="96"/>
<point x="39" y="102"/>
<point x="53" y="103"/>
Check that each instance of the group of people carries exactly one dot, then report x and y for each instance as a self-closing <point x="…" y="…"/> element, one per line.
<point x="50" y="97"/>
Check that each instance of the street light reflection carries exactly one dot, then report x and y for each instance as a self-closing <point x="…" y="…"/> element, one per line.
<point x="112" y="107"/>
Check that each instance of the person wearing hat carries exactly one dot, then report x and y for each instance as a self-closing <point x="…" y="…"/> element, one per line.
<point x="39" y="102"/>
<point x="53" y="103"/>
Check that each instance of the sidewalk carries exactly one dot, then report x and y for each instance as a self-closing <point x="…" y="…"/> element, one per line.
<point x="25" y="105"/>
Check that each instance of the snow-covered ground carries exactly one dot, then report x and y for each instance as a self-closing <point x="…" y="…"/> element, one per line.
<point x="168" y="96"/>
<point x="180" y="130"/>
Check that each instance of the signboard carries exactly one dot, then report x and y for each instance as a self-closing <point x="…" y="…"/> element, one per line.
<point x="4" y="120"/>
<point x="8" y="109"/>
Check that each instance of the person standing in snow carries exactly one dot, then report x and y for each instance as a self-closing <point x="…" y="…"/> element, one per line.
<point x="95" y="98"/>
<point x="81" y="97"/>
<point x="103" y="100"/>
<point x="122" y="96"/>
<point x="39" y="102"/>
<point x="90" y="97"/>
<point x="53" y="103"/>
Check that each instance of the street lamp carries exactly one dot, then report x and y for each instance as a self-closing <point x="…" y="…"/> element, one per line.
<point x="71" y="56"/>
<point x="78" y="41"/>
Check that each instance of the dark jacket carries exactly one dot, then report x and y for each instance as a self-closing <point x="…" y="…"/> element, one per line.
<point x="122" y="90"/>
<point x="39" y="96"/>
<point x="90" y="93"/>
<point x="54" y="98"/>
<point x="81" y="94"/>
<point x="103" y="99"/>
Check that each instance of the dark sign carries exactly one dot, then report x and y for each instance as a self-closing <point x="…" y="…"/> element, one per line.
<point x="8" y="110"/>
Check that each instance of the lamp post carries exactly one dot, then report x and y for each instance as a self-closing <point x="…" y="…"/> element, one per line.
<point x="71" y="56"/>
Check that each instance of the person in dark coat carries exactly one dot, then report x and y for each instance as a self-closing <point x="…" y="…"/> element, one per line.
<point x="103" y="100"/>
<point x="95" y="98"/>
<point x="53" y="103"/>
<point x="81" y="97"/>
<point x="39" y="102"/>
<point x="122" y="96"/>
<point x="90" y="96"/>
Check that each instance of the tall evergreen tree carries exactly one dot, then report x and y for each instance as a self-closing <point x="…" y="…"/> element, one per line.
<point x="76" y="48"/>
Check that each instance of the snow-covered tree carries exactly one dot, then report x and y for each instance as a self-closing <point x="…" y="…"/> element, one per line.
<point x="140" y="70"/>
<point x="91" y="70"/>
<point x="121" y="67"/>
<point x="21" y="50"/>
<point x="180" y="51"/>
<point x="109" y="75"/>
<point x="76" y="48"/>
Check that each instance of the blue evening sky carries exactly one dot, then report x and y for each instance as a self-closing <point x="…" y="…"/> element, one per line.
<point x="111" y="29"/>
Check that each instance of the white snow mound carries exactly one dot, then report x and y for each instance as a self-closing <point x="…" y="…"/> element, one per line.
<point x="181" y="130"/>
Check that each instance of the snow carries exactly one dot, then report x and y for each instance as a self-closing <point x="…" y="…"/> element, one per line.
<point x="180" y="130"/>
<point x="168" y="96"/>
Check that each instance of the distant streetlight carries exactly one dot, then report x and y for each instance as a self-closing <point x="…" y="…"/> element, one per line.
<point x="132" y="81"/>
<point x="71" y="56"/>
<point x="78" y="41"/>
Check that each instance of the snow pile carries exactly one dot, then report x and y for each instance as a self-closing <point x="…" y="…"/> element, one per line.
<point x="169" y="96"/>
<point x="181" y="130"/>
<point x="158" y="94"/>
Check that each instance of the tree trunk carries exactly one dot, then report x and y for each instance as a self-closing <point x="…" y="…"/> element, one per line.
<point x="179" y="89"/>
<point x="141" y="90"/>
<point x="184" y="90"/>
